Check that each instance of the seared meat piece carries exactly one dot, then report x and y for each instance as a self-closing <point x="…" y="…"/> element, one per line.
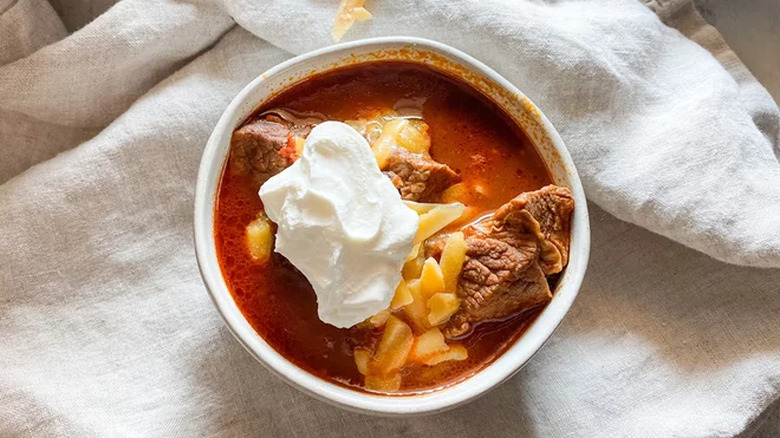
<point x="263" y="148"/>
<point x="508" y="256"/>
<point x="255" y="149"/>
<point x="550" y="208"/>
<point x="418" y="177"/>
<point x="499" y="279"/>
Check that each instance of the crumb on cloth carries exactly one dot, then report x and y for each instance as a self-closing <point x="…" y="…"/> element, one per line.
<point x="349" y="12"/>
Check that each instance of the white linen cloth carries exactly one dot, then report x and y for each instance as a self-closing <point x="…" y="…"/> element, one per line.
<point x="105" y="327"/>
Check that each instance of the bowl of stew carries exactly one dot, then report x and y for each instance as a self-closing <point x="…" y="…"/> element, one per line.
<point x="480" y="292"/>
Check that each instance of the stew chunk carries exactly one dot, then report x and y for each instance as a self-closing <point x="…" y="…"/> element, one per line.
<point x="509" y="255"/>
<point x="263" y="148"/>
<point x="418" y="177"/>
<point x="257" y="149"/>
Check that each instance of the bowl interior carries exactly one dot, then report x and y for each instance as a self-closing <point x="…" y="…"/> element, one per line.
<point x="453" y="63"/>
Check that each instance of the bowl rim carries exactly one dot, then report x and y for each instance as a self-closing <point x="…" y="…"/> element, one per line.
<point x="501" y="369"/>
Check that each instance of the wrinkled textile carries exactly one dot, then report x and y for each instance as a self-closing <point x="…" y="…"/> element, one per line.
<point x="106" y="329"/>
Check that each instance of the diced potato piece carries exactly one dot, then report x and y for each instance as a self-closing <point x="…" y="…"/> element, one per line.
<point x="402" y="296"/>
<point x="453" y="193"/>
<point x="383" y="384"/>
<point x="442" y="306"/>
<point x="436" y="219"/>
<point x="428" y="344"/>
<point x="394" y="347"/>
<point x="431" y="278"/>
<point x="382" y="153"/>
<point x="362" y="357"/>
<point x="299" y="143"/>
<point x="417" y="310"/>
<point x="260" y="238"/>
<point x="456" y="352"/>
<point x="384" y="145"/>
<point x="413" y="268"/>
<point x="414" y="137"/>
<point x="421" y="207"/>
<point x="452" y="258"/>
<point x="380" y="318"/>
<point x="415" y="251"/>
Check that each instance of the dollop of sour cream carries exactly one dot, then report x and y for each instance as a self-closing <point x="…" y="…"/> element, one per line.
<point x="342" y="223"/>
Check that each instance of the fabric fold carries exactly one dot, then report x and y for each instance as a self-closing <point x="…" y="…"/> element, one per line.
<point x="26" y="26"/>
<point x="67" y="91"/>
<point x="661" y="134"/>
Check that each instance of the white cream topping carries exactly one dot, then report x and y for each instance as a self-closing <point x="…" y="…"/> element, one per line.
<point x="342" y="223"/>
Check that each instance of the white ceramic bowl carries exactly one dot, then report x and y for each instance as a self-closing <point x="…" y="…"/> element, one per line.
<point x="454" y="63"/>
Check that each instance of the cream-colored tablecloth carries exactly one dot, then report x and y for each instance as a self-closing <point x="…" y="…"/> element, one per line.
<point x="106" y="330"/>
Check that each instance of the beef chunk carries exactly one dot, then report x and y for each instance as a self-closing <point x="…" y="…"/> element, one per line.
<point x="418" y="177"/>
<point x="498" y="280"/>
<point x="255" y="149"/>
<point x="545" y="212"/>
<point x="508" y="256"/>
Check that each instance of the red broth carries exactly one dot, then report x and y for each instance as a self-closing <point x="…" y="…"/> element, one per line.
<point x="468" y="133"/>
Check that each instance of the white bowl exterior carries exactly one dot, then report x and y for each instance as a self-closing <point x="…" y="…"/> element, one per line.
<point x="439" y="56"/>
